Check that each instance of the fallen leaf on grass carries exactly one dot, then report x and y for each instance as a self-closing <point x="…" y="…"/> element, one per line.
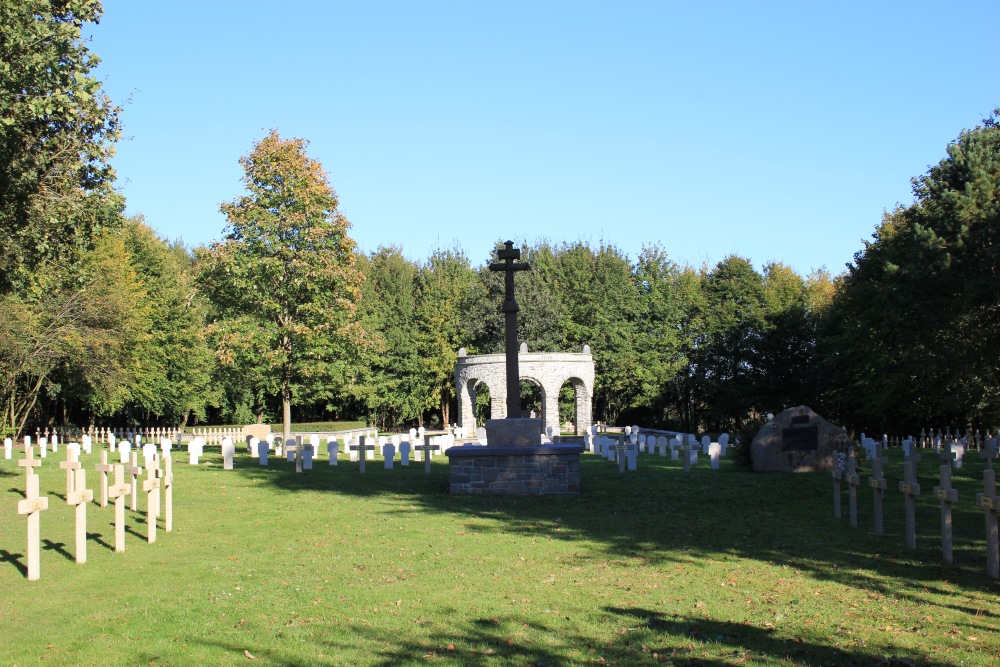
<point x="249" y="655"/>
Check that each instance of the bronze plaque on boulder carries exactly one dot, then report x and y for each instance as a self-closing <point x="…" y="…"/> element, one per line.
<point x="800" y="439"/>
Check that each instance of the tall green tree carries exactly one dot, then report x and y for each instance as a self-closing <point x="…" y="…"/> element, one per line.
<point x="385" y="386"/>
<point x="914" y="336"/>
<point x="288" y="266"/>
<point x="444" y="289"/>
<point x="57" y="133"/>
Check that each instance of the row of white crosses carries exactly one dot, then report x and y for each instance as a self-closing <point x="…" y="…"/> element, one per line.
<point x="625" y="448"/>
<point x="360" y="449"/>
<point x="910" y="488"/>
<point x="79" y="496"/>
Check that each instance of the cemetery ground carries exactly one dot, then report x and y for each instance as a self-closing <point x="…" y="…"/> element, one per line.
<point x="333" y="567"/>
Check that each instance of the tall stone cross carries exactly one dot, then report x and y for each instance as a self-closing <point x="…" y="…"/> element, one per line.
<point x="509" y="265"/>
<point x="32" y="505"/>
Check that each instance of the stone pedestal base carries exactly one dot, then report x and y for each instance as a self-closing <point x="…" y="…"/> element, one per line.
<point x="545" y="469"/>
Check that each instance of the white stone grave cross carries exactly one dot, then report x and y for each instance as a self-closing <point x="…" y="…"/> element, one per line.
<point x="878" y="483"/>
<point x="32" y="505"/>
<point x="620" y="449"/>
<point x="362" y="450"/>
<point x="168" y="494"/>
<point x="427" y="449"/>
<point x="117" y="492"/>
<point x="690" y="451"/>
<point x="151" y="485"/>
<point x="838" y="476"/>
<point x="133" y="471"/>
<point x="80" y="496"/>
<point x="71" y="464"/>
<point x="104" y="468"/>
<point x="990" y="503"/>
<point x="852" y="485"/>
<point x="910" y="487"/>
<point x="947" y="495"/>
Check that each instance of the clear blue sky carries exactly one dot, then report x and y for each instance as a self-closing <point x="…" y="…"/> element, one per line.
<point x="774" y="130"/>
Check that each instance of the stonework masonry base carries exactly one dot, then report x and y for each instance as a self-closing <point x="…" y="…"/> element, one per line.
<point x="515" y="471"/>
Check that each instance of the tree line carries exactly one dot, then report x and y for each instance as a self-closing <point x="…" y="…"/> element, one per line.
<point x="102" y="321"/>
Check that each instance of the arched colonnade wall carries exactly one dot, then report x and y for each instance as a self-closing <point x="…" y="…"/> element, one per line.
<point x="549" y="370"/>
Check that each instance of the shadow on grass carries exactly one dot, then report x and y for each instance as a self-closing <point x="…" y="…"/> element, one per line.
<point x="638" y="637"/>
<point x="98" y="538"/>
<point x="17" y="560"/>
<point x="660" y="514"/>
<point x="58" y="547"/>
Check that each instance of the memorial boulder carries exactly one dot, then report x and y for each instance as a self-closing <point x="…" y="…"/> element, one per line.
<point x="797" y="440"/>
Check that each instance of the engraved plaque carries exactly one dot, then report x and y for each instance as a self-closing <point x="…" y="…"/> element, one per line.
<point x="801" y="439"/>
<point x="987" y="502"/>
<point x="801" y="420"/>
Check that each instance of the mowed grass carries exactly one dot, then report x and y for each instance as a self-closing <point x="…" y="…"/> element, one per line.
<point x="332" y="567"/>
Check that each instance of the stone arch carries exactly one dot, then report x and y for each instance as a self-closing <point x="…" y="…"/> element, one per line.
<point x="550" y="370"/>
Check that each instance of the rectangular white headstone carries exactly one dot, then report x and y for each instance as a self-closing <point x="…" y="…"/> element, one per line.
<point x="388" y="453"/>
<point x="228" y="451"/>
<point x="404" y="453"/>
<point x="714" y="451"/>
<point x="332" y="450"/>
<point x="262" y="451"/>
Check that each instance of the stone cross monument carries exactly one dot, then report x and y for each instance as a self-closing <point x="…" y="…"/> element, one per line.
<point x="509" y="308"/>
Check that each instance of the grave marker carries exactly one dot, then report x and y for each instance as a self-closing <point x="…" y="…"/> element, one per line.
<point x="990" y="503"/>
<point x="947" y="495"/>
<point x="621" y="448"/>
<point x="80" y="496"/>
<point x="32" y="505"/>
<point x="388" y="454"/>
<point x="70" y="465"/>
<point x="104" y="468"/>
<point x="168" y="494"/>
<point x="262" y="452"/>
<point x="362" y="450"/>
<point x="427" y="449"/>
<point x="332" y="450"/>
<point x="8" y="448"/>
<point x="852" y="485"/>
<point x="133" y="471"/>
<point x="152" y="488"/>
<point x="404" y="453"/>
<point x="228" y="452"/>
<point x="911" y="489"/>
<point x="878" y="484"/>
<point x="838" y="476"/>
<point x="690" y="450"/>
<point x="117" y="492"/>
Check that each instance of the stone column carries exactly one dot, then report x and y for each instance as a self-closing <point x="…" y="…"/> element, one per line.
<point x="466" y="407"/>
<point x="550" y="401"/>
<point x="583" y="408"/>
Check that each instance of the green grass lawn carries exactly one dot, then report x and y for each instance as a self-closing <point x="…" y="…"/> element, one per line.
<point x="331" y="567"/>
